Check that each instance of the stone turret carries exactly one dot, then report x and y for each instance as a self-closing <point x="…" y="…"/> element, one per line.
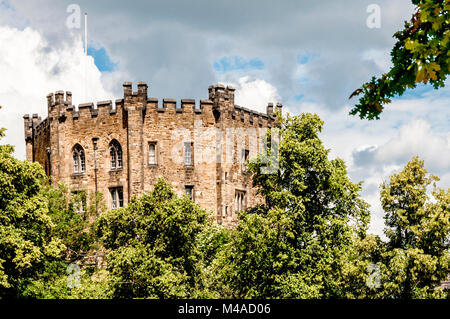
<point x="221" y="96"/>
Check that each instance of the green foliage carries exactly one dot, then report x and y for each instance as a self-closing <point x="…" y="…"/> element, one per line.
<point x="359" y="264"/>
<point x="417" y="255"/>
<point x="290" y="246"/>
<point x="153" y="245"/>
<point x="212" y="244"/>
<point x="308" y="239"/>
<point x="26" y="229"/>
<point x="420" y="55"/>
<point x="73" y="216"/>
<point x="53" y="283"/>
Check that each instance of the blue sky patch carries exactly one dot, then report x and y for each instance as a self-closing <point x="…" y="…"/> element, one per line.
<point x="233" y="63"/>
<point x="102" y="59"/>
<point x="5" y="4"/>
<point x="306" y="57"/>
<point x="416" y="93"/>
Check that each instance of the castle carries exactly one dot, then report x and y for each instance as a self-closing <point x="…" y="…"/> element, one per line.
<point x="121" y="149"/>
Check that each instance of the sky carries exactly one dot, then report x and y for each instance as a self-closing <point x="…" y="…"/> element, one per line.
<point x="308" y="55"/>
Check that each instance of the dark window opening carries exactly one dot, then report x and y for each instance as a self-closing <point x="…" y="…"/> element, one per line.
<point x="116" y="197"/>
<point x="189" y="191"/>
<point x="115" y="152"/>
<point x="79" y="160"/>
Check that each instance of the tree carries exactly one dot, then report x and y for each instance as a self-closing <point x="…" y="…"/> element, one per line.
<point x="361" y="263"/>
<point x="212" y="242"/>
<point x="153" y="246"/>
<point x="73" y="215"/>
<point x="417" y="257"/>
<point x="420" y="55"/>
<point x="26" y="238"/>
<point x="290" y="246"/>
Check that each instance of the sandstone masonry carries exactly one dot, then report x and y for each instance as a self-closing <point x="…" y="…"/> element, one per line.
<point x="121" y="149"/>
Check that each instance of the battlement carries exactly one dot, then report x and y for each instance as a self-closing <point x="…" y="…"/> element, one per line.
<point x="220" y="100"/>
<point x="58" y="98"/>
<point x="219" y="92"/>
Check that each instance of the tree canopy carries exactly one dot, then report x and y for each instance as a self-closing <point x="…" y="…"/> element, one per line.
<point x="26" y="229"/>
<point x="420" y="55"/>
<point x="417" y="254"/>
<point x="307" y="240"/>
<point x="153" y="243"/>
<point x="290" y="247"/>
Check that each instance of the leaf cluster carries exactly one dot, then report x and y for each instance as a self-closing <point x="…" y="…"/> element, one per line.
<point x="420" y="55"/>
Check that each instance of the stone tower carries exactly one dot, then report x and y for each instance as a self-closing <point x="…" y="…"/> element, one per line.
<point x="121" y="148"/>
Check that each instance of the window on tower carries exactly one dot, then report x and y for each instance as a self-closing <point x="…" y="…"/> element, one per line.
<point x="152" y="160"/>
<point x="115" y="152"/>
<point x="244" y="160"/>
<point x="188" y="154"/>
<point x="240" y="200"/>
<point x="79" y="161"/>
<point x="116" y="197"/>
<point x="189" y="191"/>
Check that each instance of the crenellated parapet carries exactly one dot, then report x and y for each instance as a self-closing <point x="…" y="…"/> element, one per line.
<point x="222" y="97"/>
<point x="137" y="108"/>
<point x="138" y="98"/>
<point x="219" y="91"/>
<point x="220" y="101"/>
<point x="223" y="103"/>
<point x="59" y="98"/>
<point x="34" y="125"/>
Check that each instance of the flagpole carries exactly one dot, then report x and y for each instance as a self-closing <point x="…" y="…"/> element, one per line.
<point x="85" y="56"/>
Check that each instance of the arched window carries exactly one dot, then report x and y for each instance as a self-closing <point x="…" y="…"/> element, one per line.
<point x="79" y="161"/>
<point x="115" y="151"/>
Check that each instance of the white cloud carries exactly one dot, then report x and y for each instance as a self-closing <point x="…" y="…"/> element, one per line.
<point x="30" y="70"/>
<point x="413" y="138"/>
<point x="381" y="58"/>
<point x="416" y="138"/>
<point x="255" y="94"/>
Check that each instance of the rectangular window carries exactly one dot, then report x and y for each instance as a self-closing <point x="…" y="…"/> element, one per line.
<point x="244" y="159"/>
<point x="79" y="201"/>
<point x="225" y="211"/>
<point x="152" y="153"/>
<point x="189" y="191"/>
<point x="188" y="160"/>
<point x="116" y="197"/>
<point x="240" y="200"/>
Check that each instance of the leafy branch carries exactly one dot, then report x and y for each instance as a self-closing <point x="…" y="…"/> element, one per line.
<point x="421" y="55"/>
